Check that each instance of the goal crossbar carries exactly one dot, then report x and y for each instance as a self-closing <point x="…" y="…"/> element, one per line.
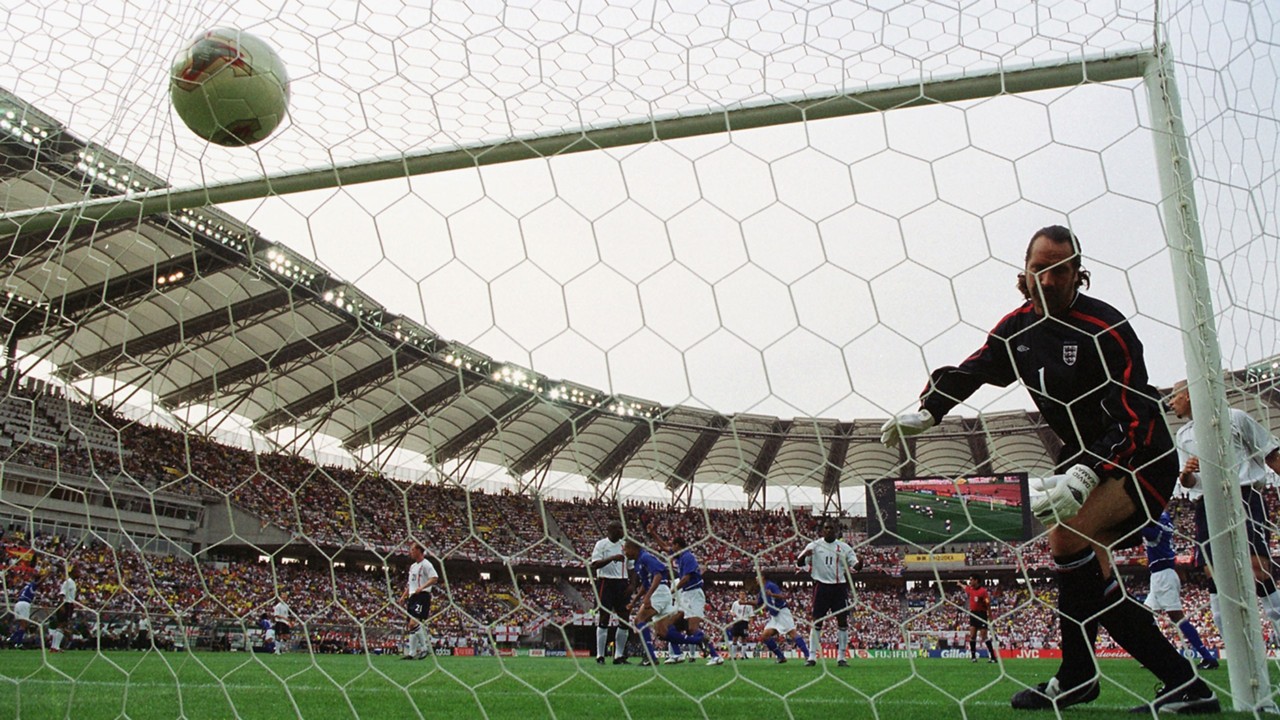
<point x="956" y="89"/>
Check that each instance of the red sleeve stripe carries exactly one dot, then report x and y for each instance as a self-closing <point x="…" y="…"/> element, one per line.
<point x="1025" y="308"/>
<point x="1131" y="425"/>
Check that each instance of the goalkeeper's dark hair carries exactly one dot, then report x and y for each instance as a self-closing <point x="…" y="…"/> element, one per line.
<point x="1058" y="235"/>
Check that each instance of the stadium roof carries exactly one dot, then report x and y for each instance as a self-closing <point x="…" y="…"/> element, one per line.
<point x="196" y="307"/>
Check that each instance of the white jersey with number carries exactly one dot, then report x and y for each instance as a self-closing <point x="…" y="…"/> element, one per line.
<point x="830" y="562"/>
<point x="606" y="548"/>
<point x="420" y="573"/>
<point x="1250" y="439"/>
<point x="281" y="612"/>
<point x="741" y="611"/>
<point x="69" y="590"/>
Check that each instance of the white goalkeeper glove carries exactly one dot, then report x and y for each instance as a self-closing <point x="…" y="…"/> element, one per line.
<point x="1063" y="494"/>
<point x="904" y="426"/>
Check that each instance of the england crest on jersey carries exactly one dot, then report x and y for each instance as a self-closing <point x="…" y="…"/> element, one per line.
<point x="1070" y="351"/>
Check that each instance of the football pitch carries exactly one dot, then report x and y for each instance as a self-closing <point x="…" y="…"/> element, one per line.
<point x="88" y="686"/>
<point x="988" y="521"/>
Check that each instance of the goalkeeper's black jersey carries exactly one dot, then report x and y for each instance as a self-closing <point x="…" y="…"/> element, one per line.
<point x="1087" y="377"/>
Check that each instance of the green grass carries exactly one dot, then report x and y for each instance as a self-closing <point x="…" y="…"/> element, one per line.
<point x="87" y="685"/>
<point x="1001" y="521"/>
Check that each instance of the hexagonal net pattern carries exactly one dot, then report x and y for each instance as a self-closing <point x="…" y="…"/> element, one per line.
<point x="278" y="418"/>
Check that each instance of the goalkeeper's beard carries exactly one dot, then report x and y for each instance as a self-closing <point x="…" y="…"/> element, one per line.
<point x="1051" y="301"/>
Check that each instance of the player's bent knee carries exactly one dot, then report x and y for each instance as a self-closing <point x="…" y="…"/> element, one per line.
<point x="1066" y="541"/>
<point x="1101" y="520"/>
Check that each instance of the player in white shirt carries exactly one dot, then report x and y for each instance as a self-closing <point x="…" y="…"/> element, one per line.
<point x="609" y="568"/>
<point x="65" y="613"/>
<point x="830" y="561"/>
<point x="736" y="634"/>
<point x="281" y="613"/>
<point x="142" y="641"/>
<point x="1259" y="455"/>
<point x="417" y="602"/>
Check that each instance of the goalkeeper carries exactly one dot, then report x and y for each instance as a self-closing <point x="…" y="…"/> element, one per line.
<point x="1083" y="366"/>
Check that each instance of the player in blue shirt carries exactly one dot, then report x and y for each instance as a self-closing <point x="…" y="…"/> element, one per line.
<point x="22" y="609"/>
<point x="656" y="603"/>
<point x="1166" y="588"/>
<point x="691" y="602"/>
<point x="774" y="600"/>
<point x="268" y="635"/>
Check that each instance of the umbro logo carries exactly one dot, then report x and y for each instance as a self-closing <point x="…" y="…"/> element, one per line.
<point x="1023" y="348"/>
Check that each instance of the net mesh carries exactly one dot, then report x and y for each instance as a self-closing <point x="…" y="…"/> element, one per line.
<point x="220" y="421"/>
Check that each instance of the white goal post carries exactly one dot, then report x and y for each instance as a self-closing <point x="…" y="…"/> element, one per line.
<point x="1242" y="626"/>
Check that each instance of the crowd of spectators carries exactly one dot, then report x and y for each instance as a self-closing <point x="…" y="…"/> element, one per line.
<point x="356" y="609"/>
<point x="172" y="590"/>
<point x="337" y="509"/>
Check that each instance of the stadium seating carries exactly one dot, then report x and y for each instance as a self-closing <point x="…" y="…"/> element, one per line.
<point x="334" y="510"/>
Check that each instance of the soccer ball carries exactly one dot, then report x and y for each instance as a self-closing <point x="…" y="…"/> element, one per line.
<point x="229" y="87"/>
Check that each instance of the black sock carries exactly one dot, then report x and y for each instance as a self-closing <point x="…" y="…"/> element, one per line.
<point x="1134" y="628"/>
<point x="973" y="648"/>
<point x="1264" y="588"/>
<point x="1080" y="587"/>
<point x="991" y="649"/>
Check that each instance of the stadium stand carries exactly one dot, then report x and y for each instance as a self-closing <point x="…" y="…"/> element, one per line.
<point x="512" y="564"/>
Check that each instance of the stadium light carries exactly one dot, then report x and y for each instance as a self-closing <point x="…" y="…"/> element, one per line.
<point x="1262" y="371"/>
<point x="171" y="278"/>
<point x="464" y="358"/>
<point x="22" y="130"/>
<point x="520" y="377"/>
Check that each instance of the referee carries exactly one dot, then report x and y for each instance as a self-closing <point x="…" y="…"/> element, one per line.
<point x="609" y="567"/>
<point x="979" y="618"/>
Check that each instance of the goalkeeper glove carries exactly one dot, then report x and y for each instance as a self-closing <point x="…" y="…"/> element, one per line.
<point x="904" y="426"/>
<point x="1063" y="494"/>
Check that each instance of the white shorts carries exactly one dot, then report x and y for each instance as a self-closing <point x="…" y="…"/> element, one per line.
<point x="1166" y="591"/>
<point x="662" y="602"/>
<point x="783" y="623"/>
<point x="22" y="610"/>
<point x="693" y="603"/>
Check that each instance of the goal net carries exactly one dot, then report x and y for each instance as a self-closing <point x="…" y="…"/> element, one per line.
<point x="513" y="272"/>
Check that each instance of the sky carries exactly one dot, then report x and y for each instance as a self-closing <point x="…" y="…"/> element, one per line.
<point x="815" y="270"/>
